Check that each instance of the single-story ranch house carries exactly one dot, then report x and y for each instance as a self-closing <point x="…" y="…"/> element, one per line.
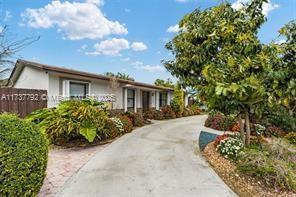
<point x="66" y="83"/>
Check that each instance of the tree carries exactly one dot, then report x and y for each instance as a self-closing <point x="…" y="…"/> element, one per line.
<point x="8" y="48"/>
<point x="168" y="83"/>
<point x="284" y="75"/>
<point x="177" y="102"/>
<point x="120" y="76"/>
<point x="218" y="52"/>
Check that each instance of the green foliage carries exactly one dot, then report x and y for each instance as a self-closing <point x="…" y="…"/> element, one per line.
<point x="220" y="122"/>
<point x="230" y="147"/>
<point x="195" y="109"/>
<point x="158" y="115"/>
<point x="23" y="157"/>
<point x="120" y="76"/>
<point x="275" y="131"/>
<point x="177" y="102"/>
<point x="291" y="137"/>
<point x="136" y="118"/>
<point x="274" y="164"/>
<point x="281" y="117"/>
<point x="168" y="83"/>
<point x="168" y="112"/>
<point x="149" y="114"/>
<point x="114" y="127"/>
<point x="72" y="120"/>
<point x="127" y="123"/>
<point x="284" y="76"/>
<point x="218" y="52"/>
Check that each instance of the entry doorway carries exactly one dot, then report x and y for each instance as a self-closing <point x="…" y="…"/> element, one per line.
<point x="145" y="100"/>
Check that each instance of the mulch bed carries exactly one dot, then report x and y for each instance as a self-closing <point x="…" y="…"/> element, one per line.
<point x="242" y="185"/>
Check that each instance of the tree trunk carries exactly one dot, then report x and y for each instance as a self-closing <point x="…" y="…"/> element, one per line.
<point x="241" y="128"/>
<point x="248" y="130"/>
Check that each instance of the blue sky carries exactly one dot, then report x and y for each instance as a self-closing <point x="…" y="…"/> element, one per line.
<point x="114" y="35"/>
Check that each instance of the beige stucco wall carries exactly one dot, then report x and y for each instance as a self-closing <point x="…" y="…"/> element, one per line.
<point x="53" y="82"/>
<point x="32" y="79"/>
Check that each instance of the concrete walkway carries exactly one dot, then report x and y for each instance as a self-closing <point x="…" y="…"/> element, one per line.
<point x="156" y="160"/>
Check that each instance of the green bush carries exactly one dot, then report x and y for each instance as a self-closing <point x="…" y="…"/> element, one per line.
<point x="72" y="120"/>
<point x="195" y="109"/>
<point x="280" y="117"/>
<point x="177" y="103"/>
<point x="291" y="137"/>
<point x="168" y="112"/>
<point x="127" y="123"/>
<point x="220" y="122"/>
<point x="274" y="163"/>
<point x="158" y="115"/>
<point x="136" y="118"/>
<point x="149" y="114"/>
<point x="230" y="147"/>
<point x="114" y="127"/>
<point x="23" y="157"/>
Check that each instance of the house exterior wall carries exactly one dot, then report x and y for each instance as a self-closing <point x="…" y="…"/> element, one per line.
<point x="56" y="85"/>
<point x="32" y="79"/>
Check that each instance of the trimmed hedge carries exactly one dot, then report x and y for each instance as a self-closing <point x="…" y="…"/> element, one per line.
<point x="23" y="157"/>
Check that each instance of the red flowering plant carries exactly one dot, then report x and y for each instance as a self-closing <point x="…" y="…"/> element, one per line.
<point x="235" y="128"/>
<point x="220" y="138"/>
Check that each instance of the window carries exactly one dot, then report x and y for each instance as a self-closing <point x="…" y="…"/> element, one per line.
<point x="130" y="98"/>
<point x="78" y="90"/>
<point x="163" y="99"/>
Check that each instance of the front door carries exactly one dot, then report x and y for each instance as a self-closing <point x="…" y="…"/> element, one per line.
<point x="145" y="100"/>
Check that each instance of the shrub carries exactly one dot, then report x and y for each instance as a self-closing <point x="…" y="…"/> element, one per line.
<point x="158" y="115"/>
<point x="118" y="124"/>
<point x="230" y="147"/>
<point x="149" y="114"/>
<point x="168" y="112"/>
<point x="111" y="129"/>
<point x="220" y="122"/>
<point x="114" y="127"/>
<point x="136" y="118"/>
<point x="281" y="117"/>
<point x="195" y="109"/>
<point x="260" y="129"/>
<point x="291" y="137"/>
<point x="177" y="103"/>
<point x="23" y="157"/>
<point x="220" y="138"/>
<point x="235" y="128"/>
<point x="127" y="123"/>
<point x="275" y="131"/>
<point x="72" y="120"/>
<point x="273" y="163"/>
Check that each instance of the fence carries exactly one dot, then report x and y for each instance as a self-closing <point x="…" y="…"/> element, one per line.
<point x="22" y="101"/>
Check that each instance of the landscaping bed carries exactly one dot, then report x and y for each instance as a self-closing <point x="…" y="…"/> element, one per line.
<point x="238" y="181"/>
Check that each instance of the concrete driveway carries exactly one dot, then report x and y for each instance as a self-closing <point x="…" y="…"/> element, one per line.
<point x="156" y="160"/>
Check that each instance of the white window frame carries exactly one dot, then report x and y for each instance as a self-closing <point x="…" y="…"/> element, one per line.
<point x="66" y="86"/>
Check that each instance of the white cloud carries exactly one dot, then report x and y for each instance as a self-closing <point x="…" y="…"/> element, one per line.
<point x="173" y="29"/>
<point x="149" y="68"/>
<point x="111" y="47"/>
<point x="97" y="2"/>
<point x="138" y="46"/>
<point x="7" y="16"/>
<point x="75" y="19"/>
<point x="280" y="41"/>
<point x="266" y="7"/>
